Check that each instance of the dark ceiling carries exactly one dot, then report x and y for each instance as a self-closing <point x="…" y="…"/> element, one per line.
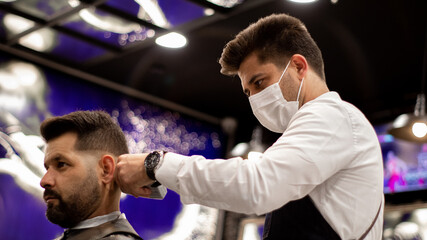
<point x="373" y="53"/>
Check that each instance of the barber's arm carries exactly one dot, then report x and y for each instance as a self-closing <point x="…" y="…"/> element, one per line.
<point x="239" y="185"/>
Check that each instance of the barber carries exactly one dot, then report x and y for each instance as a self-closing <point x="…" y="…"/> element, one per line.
<point x="322" y="179"/>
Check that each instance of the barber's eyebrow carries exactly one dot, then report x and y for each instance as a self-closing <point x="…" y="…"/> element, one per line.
<point x="251" y="81"/>
<point x="254" y="77"/>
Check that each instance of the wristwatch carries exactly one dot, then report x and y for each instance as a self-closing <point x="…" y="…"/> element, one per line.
<point x="151" y="162"/>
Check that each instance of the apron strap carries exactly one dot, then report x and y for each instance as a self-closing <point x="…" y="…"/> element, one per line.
<point x="373" y="222"/>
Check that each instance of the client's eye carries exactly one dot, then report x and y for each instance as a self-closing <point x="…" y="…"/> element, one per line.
<point x="62" y="164"/>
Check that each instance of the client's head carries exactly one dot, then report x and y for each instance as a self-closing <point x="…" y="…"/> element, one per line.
<point x="80" y="158"/>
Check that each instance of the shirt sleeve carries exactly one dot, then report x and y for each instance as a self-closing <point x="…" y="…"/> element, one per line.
<point x="302" y="158"/>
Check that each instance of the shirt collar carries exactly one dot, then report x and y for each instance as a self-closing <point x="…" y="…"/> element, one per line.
<point x="330" y="94"/>
<point x="96" y="221"/>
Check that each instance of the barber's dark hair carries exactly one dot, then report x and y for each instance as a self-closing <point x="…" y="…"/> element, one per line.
<point x="274" y="39"/>
<point x="95" y="130"/>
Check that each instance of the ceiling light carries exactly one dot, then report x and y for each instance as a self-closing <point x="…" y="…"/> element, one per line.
<point x="209" y="12"/>
<point x="16" y="24"/>
<point x="419" y="129"/>
<point x="226" y="3"/>
<point x="107" y="23"/>
<point x="154" y="12"/>
<point x="74" y="3"/>
<point x="104" y="22"/>
<point x="41" y="40"/>
<point x="172" y="40"/>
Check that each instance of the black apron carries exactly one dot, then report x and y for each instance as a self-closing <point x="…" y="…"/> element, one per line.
<point x="300" y="220"/>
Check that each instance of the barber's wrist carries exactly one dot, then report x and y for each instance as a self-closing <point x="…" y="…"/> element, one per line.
<point x="152" y="162"/>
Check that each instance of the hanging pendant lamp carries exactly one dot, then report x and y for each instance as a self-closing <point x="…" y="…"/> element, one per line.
<point x="413" y="127"/>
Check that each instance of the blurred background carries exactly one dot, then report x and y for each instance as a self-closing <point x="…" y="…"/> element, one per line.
<point x="153" y="65"/>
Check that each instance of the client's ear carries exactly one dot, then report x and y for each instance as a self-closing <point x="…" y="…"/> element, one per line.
<point x="108" y="165"/>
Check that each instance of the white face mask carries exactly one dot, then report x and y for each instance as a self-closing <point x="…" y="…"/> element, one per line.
<point x="271" y="108"/>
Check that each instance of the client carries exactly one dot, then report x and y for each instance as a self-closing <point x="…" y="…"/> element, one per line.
<point x="80" y="191"/>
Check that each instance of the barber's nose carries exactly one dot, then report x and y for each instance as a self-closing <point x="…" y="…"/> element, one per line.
<point x="47" y="180"/>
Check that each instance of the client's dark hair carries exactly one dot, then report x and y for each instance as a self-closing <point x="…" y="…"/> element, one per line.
<point x="95" y="130"/>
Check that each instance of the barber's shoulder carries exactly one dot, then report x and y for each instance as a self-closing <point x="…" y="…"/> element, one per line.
<point x="325" y="105"/>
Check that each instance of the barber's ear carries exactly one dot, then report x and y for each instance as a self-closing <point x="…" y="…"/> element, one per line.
<point x="108" y="165"/>
<point x="301" y="65"/>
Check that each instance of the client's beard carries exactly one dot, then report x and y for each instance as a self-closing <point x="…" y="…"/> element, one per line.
<point x="77" y="207"/>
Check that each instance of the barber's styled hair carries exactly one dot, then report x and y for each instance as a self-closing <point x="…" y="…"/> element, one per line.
<point x="274" y="39"/>
<point x="95" y="130"/>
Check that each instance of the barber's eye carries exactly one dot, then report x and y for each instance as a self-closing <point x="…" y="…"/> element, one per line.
<point x="258" y="83"/>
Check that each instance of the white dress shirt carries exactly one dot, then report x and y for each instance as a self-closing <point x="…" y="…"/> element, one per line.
<point x="329" y="151"/>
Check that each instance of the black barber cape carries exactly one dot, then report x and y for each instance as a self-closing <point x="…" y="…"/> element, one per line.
<point x="117" y="229"/>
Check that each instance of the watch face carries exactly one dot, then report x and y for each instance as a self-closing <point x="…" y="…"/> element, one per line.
<point x="152" y="160"/>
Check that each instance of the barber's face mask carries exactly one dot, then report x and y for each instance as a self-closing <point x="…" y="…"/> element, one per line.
<point x="271" y="108"/>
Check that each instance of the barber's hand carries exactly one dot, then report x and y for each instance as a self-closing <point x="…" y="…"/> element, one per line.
<point x="131" y="176"/>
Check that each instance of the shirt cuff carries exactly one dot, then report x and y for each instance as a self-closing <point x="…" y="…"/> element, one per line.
<point x="167" y="173"/>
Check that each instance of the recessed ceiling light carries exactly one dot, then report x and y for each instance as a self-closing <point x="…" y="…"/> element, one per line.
<point x="172" y="40"/>
<point x="209" y="12"/>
